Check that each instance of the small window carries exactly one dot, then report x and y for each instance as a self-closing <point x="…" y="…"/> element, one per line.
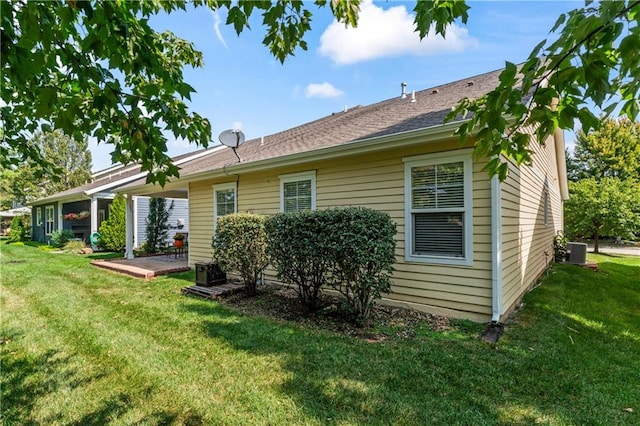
<point x="438" y="209"/>
<point x="39" y="216"/>
<point x="298" y="192"/>
<point x="49" y="220"/>
<point x="224" y="200"/>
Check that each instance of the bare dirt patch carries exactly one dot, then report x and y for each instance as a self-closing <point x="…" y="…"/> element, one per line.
<point x="281" y="303"/>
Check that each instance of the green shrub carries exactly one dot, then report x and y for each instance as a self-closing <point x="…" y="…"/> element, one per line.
<point x="560" y="242"/>
<point x="363" y="256"/>
<point x="113" y="230"/>
<point x="74" y="246"/>
<point x="60" y="237"/>
<point x="299" y="247"/>
<point x="17" y="232"/>
<point x="240" y="246"/>
<point x="350" y="250"/>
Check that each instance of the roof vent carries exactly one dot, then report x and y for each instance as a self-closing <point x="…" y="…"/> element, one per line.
<point x="434" y="91"/>
<point x="470" y="83"/>
<point x="413" y="96"/>
<point x="403" y="95"/>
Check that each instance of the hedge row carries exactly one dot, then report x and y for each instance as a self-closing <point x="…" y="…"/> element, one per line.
<point x="351" y="250"/>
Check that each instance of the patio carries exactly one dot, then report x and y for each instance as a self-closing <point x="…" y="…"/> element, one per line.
<point x="145" y="267"/>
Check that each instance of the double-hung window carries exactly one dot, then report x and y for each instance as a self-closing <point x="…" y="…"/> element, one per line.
<point x="225" y="200"/>
<point x="298" y="192"/>
<point x="49" y="220"/>
<point x="438" y="209"/>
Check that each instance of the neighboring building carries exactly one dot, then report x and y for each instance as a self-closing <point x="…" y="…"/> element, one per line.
<point x="83" y="209"/>
<point x="468" y="246"/>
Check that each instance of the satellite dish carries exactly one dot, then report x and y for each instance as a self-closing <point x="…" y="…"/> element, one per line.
<point x="232" y="138"/>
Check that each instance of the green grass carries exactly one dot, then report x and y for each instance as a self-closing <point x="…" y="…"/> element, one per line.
<point x="82" y="346"/>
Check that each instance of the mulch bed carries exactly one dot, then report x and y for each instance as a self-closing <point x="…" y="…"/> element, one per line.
<point x="281" y="303"/>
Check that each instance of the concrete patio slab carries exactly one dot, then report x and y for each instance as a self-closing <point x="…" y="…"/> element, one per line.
<point x="145" y="267"/>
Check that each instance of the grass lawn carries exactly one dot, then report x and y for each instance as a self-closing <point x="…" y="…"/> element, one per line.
<point x="81" y="345"/>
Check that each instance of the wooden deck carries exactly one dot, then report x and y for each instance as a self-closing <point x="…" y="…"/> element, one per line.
<point x="213" y="291"/>
<point x="145" y="267"/>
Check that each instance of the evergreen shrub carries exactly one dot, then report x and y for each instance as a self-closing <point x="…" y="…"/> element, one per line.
<point x="240" y="246"/>
<point x="60" y="237"/>
<point x="17" y="231"/>
<point x="113" y="230"/>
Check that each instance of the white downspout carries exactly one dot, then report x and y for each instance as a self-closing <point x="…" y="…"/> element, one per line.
<point x="496" y="249"/>
<point x="136" y="243"/>
<point x="128" y="218"/>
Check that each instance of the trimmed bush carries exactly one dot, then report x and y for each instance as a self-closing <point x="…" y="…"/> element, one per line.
<point x="60" y="237"/>
<point x="240" y="246"/>
<point x="300" y="251"/>
<point x="17" y="232"/>
<point x="351" y="250"/>
<point x="113" y="231"/>
<point x="363" y="257"/>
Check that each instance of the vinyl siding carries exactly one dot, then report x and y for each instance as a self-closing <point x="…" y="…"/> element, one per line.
<point x="527" y="242"/>
<point x="180" y="211"/>
<point x="374" y="180"/>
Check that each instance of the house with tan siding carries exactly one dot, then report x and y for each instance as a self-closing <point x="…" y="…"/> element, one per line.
<point x="468" y="246"/>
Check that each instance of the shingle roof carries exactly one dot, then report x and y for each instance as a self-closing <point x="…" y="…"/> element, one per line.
<point x="356" y="124"/>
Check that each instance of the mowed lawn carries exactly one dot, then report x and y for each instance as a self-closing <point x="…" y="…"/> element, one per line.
<point x="84" y="346"/>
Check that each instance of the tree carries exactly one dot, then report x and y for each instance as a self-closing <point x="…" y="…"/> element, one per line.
<point x="71" y="157"/>
<point x="18" y="185"/>
<point x="24" y="182"/>
<point x="113" y="230"/>
<point x="609" y="207"/>
<point x="611" y="151"/>
<point x="99" y="69"/>
<point x="157" y="223"/>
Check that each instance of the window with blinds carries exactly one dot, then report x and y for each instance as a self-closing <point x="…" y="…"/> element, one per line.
<point x="224" y="200"/>
<point x="438" y="209"/>
<point x="298" y="192"/>
<point x="297" y="195"/>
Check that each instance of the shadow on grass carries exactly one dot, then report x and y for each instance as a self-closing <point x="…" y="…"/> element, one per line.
<point x="28" y="379"/>
<point x="558" y="365"/>
<point x="105" y="255"/>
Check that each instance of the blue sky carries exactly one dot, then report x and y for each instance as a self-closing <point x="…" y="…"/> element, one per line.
<point x="242" y="85"/>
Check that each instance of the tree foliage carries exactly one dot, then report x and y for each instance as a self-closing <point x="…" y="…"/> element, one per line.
<point x="99" y="69"/>
<point x="611" y="151"/>
<point x="113" y="230"/>
<point x="26" y="182"/>
<point x="609" y="207"/>
<point x="157" y="222"/>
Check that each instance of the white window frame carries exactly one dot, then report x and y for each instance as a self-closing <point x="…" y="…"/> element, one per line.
<point x="463" y="156"/>
<point x="38" y="216"/>
<point x="50" y="220"/>
<point x="219" y="188"/>
<point x="297" y="177"/>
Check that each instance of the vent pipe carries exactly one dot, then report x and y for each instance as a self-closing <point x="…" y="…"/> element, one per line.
<point x="403" y="95"/>
<point x="413" y="96"/>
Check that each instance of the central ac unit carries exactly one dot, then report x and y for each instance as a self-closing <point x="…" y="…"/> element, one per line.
<point x="577" y="253"/>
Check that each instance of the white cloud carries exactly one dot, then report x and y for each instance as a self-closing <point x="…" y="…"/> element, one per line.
<point x="322" y="90"/>
<point x="217" y="21"/>
<point x="387" y="33"/>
